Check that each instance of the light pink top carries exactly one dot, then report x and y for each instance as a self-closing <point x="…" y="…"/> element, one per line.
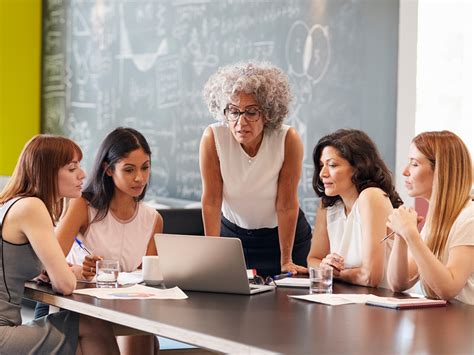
<point x="113" y="238"/>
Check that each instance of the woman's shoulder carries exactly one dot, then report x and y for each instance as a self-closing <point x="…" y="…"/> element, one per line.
<point x="282" y="131"/>
<point x="373" y="195"/>
<point x="217" y="127"/>
<point x="147" y="209"/>
<point x="216" y="132"/>
<point x="466" y="216"/>
<point x="25" y="207"/>
<point x="461" y="230"/>
<point x="374" y="199"/>
<point x="30" y="202"/>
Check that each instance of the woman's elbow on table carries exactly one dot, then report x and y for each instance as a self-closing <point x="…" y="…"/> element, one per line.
<point x="370" y="278"/>
<point x="65" y="285"/>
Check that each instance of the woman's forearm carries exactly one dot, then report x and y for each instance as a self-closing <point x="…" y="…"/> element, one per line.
<point x="287" y="220"/>
<point x="398" y="276"/>
<point x="434" y="273"/>
<point x="361" y="276"/>
<point x="211" y="216"/>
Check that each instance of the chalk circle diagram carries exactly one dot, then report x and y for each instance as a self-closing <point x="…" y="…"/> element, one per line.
<point x="308" y="51"/>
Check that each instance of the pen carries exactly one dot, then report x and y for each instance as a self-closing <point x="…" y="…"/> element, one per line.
<point x="387" y="236"/>
<point x="83" y="247"/>
<point x="282" y="276"/>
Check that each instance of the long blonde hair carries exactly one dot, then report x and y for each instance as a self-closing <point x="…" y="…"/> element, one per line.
<point x="452" y="181"/>
<point x="36" y="172"/>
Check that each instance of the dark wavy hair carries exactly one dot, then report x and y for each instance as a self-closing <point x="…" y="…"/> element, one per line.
<point x="100" y="187"/>
<point x="360" y="151"/>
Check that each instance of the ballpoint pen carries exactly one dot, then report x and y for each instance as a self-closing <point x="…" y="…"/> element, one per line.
<point x="83" y="247"/>
<point x="282" y="276"/>
<point x="386" y="237"/>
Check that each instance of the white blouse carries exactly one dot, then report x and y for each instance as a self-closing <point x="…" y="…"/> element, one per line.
<point x="345" y="237"/>
<point x="250" y="184"/>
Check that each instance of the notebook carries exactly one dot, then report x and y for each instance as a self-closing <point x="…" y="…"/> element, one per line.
<point x="403" y="303"/>
<point x="211" y="264"/>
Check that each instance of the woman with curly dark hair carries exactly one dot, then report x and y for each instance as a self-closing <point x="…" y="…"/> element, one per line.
<point x="357" y="196"/>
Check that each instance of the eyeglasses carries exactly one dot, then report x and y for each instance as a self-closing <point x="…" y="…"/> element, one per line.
<point x="259" y="280"/>
<point x="251" y="114"/>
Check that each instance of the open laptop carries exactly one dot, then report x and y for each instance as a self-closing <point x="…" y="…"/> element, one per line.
<point x="210" y="264"/>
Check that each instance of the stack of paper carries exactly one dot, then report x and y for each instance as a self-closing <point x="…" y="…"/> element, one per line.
<point x="333" y="299"/>
<point x="403" y="303"/>
<point x="293" y="282"/>
<point x="134" y="292"/>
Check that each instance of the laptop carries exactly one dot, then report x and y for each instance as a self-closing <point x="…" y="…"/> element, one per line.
<point x="210" y="264"/>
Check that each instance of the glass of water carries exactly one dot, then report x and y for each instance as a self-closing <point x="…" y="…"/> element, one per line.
<point x="107" y="273"/>
<point x="320" y="279"/>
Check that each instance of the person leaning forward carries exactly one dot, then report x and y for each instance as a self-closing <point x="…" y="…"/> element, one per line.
<point x="250" y="166"/>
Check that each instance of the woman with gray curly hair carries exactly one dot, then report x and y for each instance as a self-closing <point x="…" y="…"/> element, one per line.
<point x="251" y="165"/>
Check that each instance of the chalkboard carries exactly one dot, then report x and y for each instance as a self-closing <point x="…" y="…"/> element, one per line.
<point x="143" y="64"/>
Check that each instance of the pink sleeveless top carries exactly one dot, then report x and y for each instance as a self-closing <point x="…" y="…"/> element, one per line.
<point x="122" y="240"/>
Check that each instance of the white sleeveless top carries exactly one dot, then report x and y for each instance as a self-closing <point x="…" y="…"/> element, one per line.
<point x="345" y="237"/>
<point x="113" y="238"/>
<point x="250" y="183"/>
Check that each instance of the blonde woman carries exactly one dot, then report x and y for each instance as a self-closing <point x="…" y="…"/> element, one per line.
<point x="442" y="256"/>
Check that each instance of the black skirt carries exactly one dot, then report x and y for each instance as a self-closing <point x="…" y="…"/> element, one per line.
<point x="262" y="246"/>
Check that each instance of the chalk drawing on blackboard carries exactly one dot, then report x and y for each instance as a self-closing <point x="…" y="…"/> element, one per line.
<point x="80" y="132"/>
<point x="142" y="61"/>
<point x="81" y="57"/>
<point x="297" y="122"/>
<point x="80" y="27"/>
<point x="307" y="177"/>
<point x="302" y="95"/>
<point x="308" y="51"/>
<point x="310" y="205"/>
<point x="140" y="93"/>
<point x="168" y="82"/>
<point x="201" y="57"/>
<point x="263" y="50"/>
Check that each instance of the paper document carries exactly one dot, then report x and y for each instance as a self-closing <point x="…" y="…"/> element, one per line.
<point x="292" y="282"/>
<point x="134" y="292"/>
<point x="403" y="303"/>
<point x="333" y="299"/>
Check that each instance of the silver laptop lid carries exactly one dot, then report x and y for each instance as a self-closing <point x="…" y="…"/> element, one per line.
<point x="197" y="263"/>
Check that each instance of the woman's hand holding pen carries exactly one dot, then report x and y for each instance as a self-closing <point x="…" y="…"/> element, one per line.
<point x="335" y="261"/>
<point x="88" y="266"/>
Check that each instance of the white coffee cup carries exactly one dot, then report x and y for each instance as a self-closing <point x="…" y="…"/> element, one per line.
<point x="151" y="271"/>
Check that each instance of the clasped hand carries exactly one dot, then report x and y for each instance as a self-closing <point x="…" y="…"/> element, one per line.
<point x="403" y="221"/>
<point x="334" y="260"/>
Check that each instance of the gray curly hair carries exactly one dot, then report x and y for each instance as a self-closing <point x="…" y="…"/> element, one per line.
<point x="267" y="82"/>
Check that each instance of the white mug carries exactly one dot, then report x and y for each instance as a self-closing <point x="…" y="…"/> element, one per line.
<point x="151" y="271"/>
